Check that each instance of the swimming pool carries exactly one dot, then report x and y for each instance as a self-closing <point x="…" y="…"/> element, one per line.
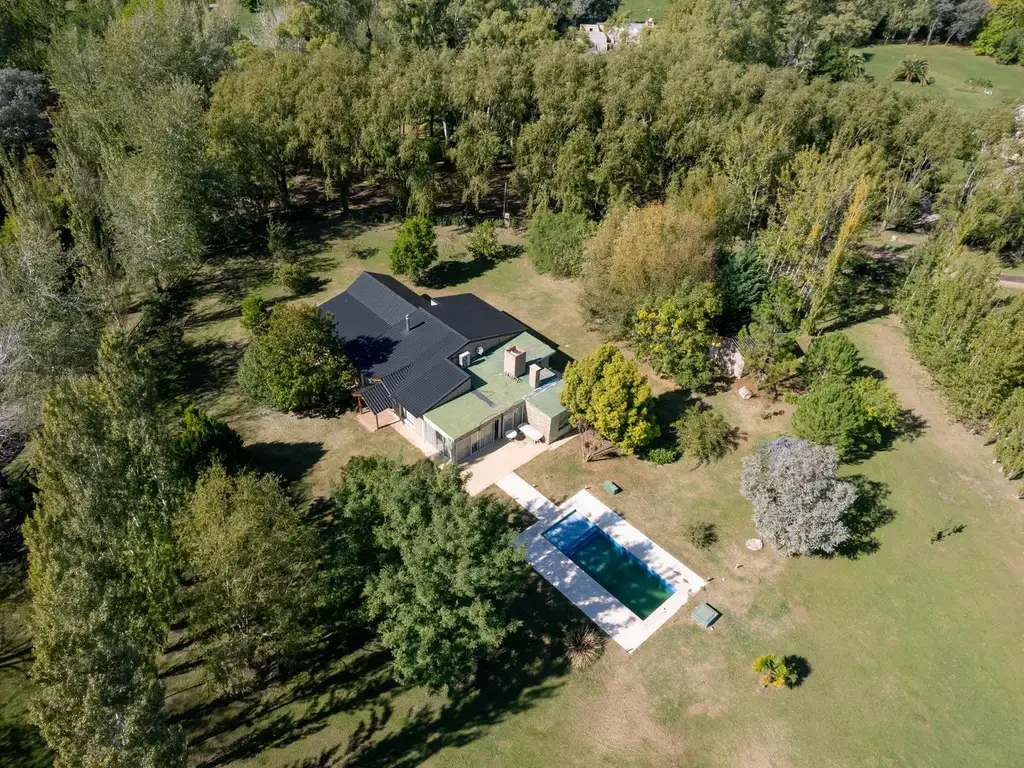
<point x="609" y="563"/>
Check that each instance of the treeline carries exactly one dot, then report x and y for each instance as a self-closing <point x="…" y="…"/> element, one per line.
<point x="970" y="339"/>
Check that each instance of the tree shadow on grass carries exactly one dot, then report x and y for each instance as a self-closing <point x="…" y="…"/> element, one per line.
<point x="21" y="745"/>
<point x="452" y="272"/>
<point x="799" y="669"/>
<point x="868" y="513"/>
<point x="868" y="288"/>
<point x="525" y="672"/>
<point x="289" y="461"/>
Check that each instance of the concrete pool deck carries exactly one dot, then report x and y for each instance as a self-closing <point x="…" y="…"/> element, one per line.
<point x="604" y="609"/>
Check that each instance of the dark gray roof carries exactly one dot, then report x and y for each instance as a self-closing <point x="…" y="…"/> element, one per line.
<point x="473" y="317"/>
<point x="431" y="384"/>
<point x="406" y="341"/>
<point x="385" y="297"/>
<point x="377" y="397"/>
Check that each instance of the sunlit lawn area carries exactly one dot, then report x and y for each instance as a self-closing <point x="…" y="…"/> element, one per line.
<point x="910" y="648"/>
<point x="951" y="66"/>
<point x="640" y="10"/>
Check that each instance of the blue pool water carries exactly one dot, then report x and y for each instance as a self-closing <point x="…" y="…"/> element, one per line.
<point x="610" y="564"/>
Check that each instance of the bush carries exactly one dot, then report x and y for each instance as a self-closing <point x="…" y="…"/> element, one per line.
<point x="297" y="364"/>
<point x="773" y="670"/>
<point x="703" y="534"/>
<point x="483" y="242"/>
<point x="278" y="241"/>
<point x="255" y="315"/>
<point x="205" y="441"/>
<point x="831" y="414"/>
<point x="831" y="355"/>
<point x="555" y="241"/>
<point x="414" y="249"/>
<point x="704" y="435"/>
<point x="663" y="455"/>
<point x="583" y="646"/>
<point x="294" y="277"/>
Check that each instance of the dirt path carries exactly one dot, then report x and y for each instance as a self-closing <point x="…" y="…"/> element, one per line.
<point x="891" y="353"/>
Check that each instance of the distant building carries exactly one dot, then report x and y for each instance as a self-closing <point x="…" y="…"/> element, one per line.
<point x="602" y="38"/>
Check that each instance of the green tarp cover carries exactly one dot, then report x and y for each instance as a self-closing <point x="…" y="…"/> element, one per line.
<point x="705" y="615"/>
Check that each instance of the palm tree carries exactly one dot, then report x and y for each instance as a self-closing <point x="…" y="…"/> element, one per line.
<point x="773" y="670"/>
<point x="912" y="69"/>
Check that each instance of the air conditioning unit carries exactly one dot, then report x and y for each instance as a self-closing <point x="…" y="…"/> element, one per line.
<point x="464" y="359"/>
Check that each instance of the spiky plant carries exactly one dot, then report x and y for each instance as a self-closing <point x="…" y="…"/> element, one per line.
<point x="583" y="646"/>
<point x="773" y="670"/>
<point x="912" y="69"/>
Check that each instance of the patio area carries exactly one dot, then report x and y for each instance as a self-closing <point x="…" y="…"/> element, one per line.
<point x="487" y="468"/>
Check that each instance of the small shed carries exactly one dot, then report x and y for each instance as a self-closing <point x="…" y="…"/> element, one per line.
<point x="705" y="614"/>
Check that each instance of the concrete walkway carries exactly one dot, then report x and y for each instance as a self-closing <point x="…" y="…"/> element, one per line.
<point x="488" y="468"/>
<point x="599" y="605"/>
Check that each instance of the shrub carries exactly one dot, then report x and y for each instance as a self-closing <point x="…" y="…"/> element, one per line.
<point x="294" y="277"/>
<point x="912" y="69"/>
<point x="205" y="441"/>
<point x="583" y="646"/>
<point x="414" y="249"/>
<point x="831" y="355"/>
<point x="297" y="364"/>
<point x="278" y="241"/>
<point x="831" y="414"/>
<point x="663" y="455"/>
<point x="555" y="241"/>
<point x="773" y="670"/>
<point x="703" y="435"/>
<point x="483" y="242"/>
<point x="255" y="315"/>
<point x="703" y="534"/>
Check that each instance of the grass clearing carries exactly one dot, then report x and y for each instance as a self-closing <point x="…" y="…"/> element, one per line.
<point x="951" y="66"/>
<point x="641" y="10"/>
<point x="875" y="634"/>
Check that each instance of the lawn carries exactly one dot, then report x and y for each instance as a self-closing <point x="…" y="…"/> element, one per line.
<point x="641" y="10"/>
<point x="909" y="648"/>
<point x="951" y="66"/>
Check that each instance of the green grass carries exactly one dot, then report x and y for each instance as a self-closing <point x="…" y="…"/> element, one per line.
<point x="910" y="650"/>
<point x="641" y="10"/>
<point x="951" y="66"/>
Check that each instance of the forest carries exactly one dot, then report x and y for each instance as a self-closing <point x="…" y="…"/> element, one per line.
<point x="719" y="179"/>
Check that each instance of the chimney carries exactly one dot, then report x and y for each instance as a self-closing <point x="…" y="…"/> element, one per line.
<point x="534" y="375"/>
<point x="407" y="328"/>
<point x="515" y="361"/>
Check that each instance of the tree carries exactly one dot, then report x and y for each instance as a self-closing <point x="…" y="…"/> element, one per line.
<point x="773" y="670"/>
<point x="102" y="562"/>
<point x="798" y="501"/>
<point x="913" y="69"/>
<point x="298" y="364"/>
<point x="414" y="248"/>
<point x="255" y="314"/>
<point x="255" y="563"/>
<point x="555" y="242"/>
<point x="831" y="414"/>
<point x="23" y="97"/>
<point x="205" y="441"/>
<point x="881" y="406"/>
<point x="676" y="336"/>
<point x="606" y="392"/>
<point x="831" y="355"/>
<point x="780" y="307"/>
<point x="439" y="567"/>
<point x="1000" y="32"/>
<point x="742" y="281"/>
<point x="1008" y="432"/>
<point x="253" y="118"/>
<point x="703" y="435"/>
<point x="643" y="254"/>
<point x="769" y="354"/>
<point x="483" y="242"/>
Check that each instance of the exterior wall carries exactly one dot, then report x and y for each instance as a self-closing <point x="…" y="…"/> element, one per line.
<point x="487" y="344"/>
<point x="551" y="428"/>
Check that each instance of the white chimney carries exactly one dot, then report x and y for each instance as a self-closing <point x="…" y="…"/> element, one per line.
<point x="407" y="328"/>
<point x="534" y="378"/>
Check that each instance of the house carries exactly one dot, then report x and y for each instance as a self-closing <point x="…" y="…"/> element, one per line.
<point x="602" y="37"/>
<point x="460" y="373"/>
